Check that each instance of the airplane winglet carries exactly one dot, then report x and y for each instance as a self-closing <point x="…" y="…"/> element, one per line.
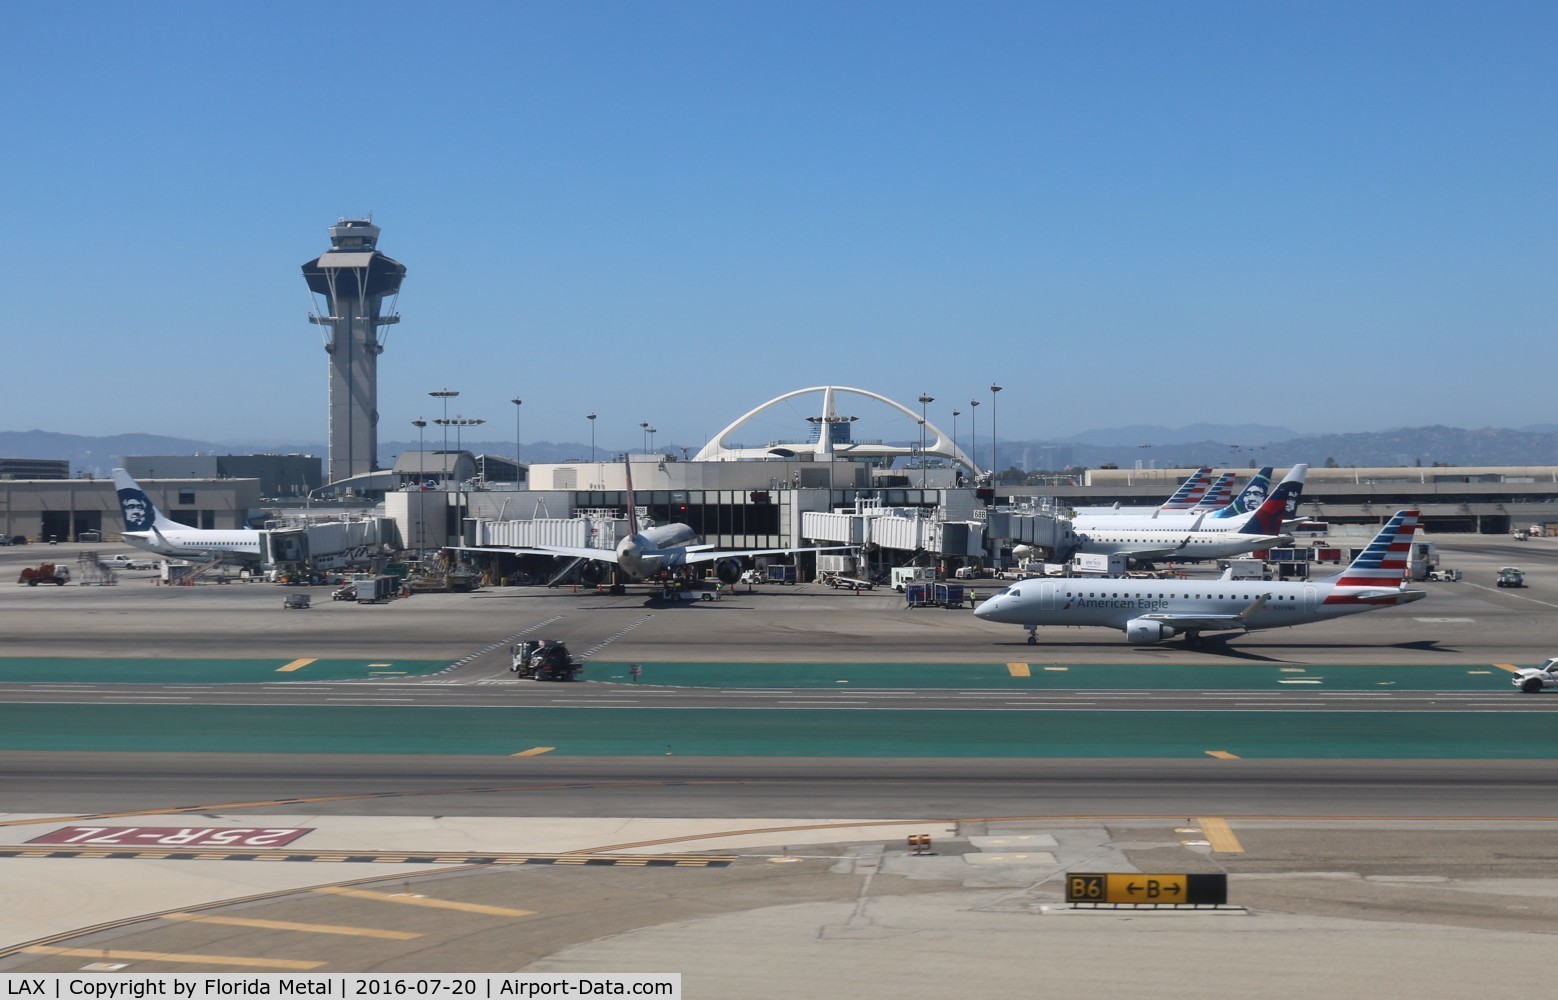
<point x="1254" y="608"/>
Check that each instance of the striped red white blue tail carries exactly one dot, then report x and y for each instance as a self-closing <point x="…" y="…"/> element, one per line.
<point x="1191" y="491"/>
<point x="1384" y="562"/>
<point x="1218" y="495"/>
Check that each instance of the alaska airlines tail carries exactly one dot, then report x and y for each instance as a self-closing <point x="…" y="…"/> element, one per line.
<point x="1384" y="562"/>
<point x="1251" y="497"/>
<point x="140" y="514"/>
<point x="1281" y="506"/>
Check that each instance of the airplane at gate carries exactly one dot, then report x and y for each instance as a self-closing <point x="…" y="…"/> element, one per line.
<point x="146" y="527"/>
<point x="1204" y="536"/>
<point x="649" y="550"/>
<point x="1150" y="611"/>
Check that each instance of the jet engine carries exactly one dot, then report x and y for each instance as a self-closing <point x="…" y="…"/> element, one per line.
<point x="728" y="570"/>
<point x="594" y="572"/>
<point x="1146" y="632"/>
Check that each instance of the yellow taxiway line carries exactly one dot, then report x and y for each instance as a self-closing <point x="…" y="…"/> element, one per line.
<point x="288" y="925"/>
<point x="1222" y="755"/>
<point x="438" y="904"/>
<point x="296" y="665"/>
<point x="1507" y="666"/>
<point x="109" y="954"/>
<point x="1018" y="670"/>
<point x="533" y="752"/>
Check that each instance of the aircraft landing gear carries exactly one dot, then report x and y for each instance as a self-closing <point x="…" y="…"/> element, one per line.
<point x="1033" y="636"/>
<point x="1193" y="639"/>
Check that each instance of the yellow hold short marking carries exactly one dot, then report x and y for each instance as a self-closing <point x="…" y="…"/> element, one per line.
<point x="1219" y="835"/>
<point x="296" y="665"/>
<point x="1018" y="670"/>
<point x="437" y="904"/>
<point x="533" y="752"/>
<point x="1222" y="755"/>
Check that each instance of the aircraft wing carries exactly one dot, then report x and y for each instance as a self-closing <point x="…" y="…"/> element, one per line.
<point x="1210" y="623"/>
<point x="709" y="555"/>
<point x="599" y="555"/>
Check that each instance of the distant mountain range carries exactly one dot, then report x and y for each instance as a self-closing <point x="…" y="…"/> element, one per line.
<point x="1159" y="447"/>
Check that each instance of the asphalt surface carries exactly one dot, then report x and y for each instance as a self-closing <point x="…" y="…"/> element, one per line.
<point x="1434" y="868"/>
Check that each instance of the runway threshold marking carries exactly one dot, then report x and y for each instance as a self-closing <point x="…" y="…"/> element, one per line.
<point x="1219" y="835"/>
<point x="1222" y="755"/>
<point x="296" y="665"/>
<point x="533" y="752"/>
<point x="1018" y="670"/>
<point x="289" y="925"/>
<point x="108" y="954"/>
<point x="1507" y="666"/>
<point x="428" y="901"/>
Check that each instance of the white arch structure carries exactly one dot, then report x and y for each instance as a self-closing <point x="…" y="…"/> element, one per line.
<point x="823" y="449"/>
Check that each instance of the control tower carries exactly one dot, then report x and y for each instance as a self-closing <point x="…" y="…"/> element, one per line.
<point x="354" y="279"/>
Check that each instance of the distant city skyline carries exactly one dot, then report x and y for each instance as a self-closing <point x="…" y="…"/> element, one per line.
<point x="1323" y="216"/>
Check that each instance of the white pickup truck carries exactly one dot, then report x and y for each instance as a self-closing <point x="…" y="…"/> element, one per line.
<point x="121" y="561"/>
<point x="1532" y="680"/>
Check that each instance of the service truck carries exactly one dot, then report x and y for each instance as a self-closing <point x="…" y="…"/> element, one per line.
<point x="902" y="576"/>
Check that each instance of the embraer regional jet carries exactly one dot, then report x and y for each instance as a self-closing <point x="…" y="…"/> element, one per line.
<point x="1150" y="611"/>
<point x="146" y="527"/>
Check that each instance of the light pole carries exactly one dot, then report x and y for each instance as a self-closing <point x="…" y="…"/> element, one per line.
<point x="994" y="474"/>
<point x="973" y="451"/>
<point x="925" y="400"/>
<point x="644" y="425"/>
<point x="651" y="440"/>
<point x="591" y="418"/>
<point x="419" y="423"/>
<point x="516" y="401"/>
<point x="954" y="439"/>
<point x="445" y="394"/>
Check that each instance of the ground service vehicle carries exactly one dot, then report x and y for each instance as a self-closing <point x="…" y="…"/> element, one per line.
<point x="902" y="576"/>
<point x="294" y="601"/>
<point x="1509" y="576"/>
<point x="1531" y="680"/>
<point x="544" y="660"/>
<point x="122" y="561"/>
<point x="45" y="573"/>
<point x="346" y="593"/>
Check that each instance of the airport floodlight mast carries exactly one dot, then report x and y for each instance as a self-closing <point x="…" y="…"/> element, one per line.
<point x="458" y="422"/>
<point x="994" y="469"/>
<point x="516" y="401"/>
<point x="445" y="395"/>
<point x="955" y="435"/>
<point x="973" y="451"/>
<point x="353" y="281"/>
<point x="419" y="423"/>
<point x="925" y="400"/>
<point x="644" y="425"/>
<point x="651" y="440"/>
<point x="591" y="418"/>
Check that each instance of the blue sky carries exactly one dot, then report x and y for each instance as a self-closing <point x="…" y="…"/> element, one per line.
<point x="1326" y="216"/>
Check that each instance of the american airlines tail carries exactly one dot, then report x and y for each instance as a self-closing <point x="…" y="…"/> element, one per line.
<point x="1384" y="562"/>
<point x="140" y="514"/>
<point x="1191" y="491"/>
